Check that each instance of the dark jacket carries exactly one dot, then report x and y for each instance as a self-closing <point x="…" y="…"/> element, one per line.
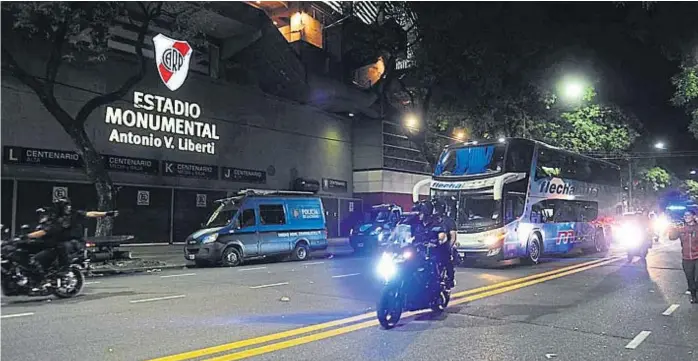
<point x="688" y="234"/>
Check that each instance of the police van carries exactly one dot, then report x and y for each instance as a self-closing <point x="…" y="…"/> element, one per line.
<point x="258" y="224"/>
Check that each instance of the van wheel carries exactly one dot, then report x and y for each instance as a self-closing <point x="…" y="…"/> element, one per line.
<point x="301" y="252"/>
<point x="231" y="257"/>
<point x="534" y="250"/>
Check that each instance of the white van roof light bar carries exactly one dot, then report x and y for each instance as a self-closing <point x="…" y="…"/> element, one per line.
<point x="266" y="192"/>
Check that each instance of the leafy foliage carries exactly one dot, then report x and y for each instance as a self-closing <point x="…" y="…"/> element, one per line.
<point x="691" y="188"/>
<point x="686" y="94"/>
<point x="655" y="178"/>
<point x="590" y="127"/>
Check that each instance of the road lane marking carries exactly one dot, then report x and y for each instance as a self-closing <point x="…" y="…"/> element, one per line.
<point x="92" y="283"/>
<point x="317" y="327"/>
<point x="638" y="340"/>
<point x="313" y="263"/>
<point x="347" y="275"/>
<point x="179" y="275"/>
<point x="350" y="328"/>
<point x="670" y="310"/>
<point x="527" y="278"/>
<point x="270" y="285"/>
<point x="157" y="299"/>
<point x="251" y="269"/>
<point x="17" y="315"/>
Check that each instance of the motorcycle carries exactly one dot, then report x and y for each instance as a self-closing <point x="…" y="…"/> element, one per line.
<point x="17" y="275"/>
<point x="413" y="281"/>
<point x="634" y="238"/>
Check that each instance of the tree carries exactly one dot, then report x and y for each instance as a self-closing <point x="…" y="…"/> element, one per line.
<point x="686" y="92"/>
<point x="655" y="178"/>
<point x="589" y="127"/>
<point x="691" y="188"/>
<point x="78" y="33"/>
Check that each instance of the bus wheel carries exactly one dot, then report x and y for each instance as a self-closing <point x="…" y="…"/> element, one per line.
<point x="534" y="250"/>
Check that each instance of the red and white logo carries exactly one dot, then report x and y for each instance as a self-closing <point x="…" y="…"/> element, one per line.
<point x="172" y="59"/>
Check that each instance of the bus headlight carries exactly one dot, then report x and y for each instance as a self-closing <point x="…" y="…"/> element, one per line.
<point x="493" y="240"/>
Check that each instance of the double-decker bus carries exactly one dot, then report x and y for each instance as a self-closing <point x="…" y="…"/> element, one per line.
<point x="520" y="198"/>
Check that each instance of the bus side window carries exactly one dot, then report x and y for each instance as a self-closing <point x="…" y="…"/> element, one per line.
<point x="513" y="208"/>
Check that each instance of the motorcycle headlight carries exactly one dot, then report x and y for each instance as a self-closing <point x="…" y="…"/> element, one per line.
<point x="661" y="224"/>
<point x="376" y="231"/>
<point x="210" y="238"/>
<point x="629" y="235"/>
<point x="386" y="267"/>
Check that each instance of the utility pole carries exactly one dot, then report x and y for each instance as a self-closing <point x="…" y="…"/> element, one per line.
<point x="630" y="184"/>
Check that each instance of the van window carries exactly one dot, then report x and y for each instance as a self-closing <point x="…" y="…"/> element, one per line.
<point x="248" y="218"/>
<point x="272" y="214"/>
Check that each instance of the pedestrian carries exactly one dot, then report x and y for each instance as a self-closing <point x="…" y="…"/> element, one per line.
<point x="688" y="235"/>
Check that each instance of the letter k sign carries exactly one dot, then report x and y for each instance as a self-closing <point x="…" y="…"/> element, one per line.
<point x="168" y="168"/>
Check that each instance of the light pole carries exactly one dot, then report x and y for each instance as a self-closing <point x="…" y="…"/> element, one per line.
<point x="658" y="146"/>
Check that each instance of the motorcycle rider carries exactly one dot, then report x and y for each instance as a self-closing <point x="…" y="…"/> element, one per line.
<point x="445" y="249"/>
<point x="59" y="230"/>
<point x="688" y="235"/>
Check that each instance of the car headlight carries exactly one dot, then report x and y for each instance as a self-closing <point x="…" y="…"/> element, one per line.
<point x="210" y="238"/>
<point x="386" y="267"/>
<point x="376" y="231"/>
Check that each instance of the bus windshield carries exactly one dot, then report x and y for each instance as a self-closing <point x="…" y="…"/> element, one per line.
<point x="483" y="159"/>
<point x="473" y="213"/>
<point x="478" y="212"/>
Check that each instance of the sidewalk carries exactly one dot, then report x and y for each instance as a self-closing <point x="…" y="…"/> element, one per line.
<point x="154" y="257"/>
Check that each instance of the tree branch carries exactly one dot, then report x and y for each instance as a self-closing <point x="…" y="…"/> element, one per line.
<point x="55" y="58"/>
<point x="104" y="99"/>
<point x="29" y="80"/>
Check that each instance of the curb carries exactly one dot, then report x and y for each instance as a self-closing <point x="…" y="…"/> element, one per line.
<point x="110" y="272"/>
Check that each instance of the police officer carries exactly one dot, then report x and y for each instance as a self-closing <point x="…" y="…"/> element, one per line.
<point x="447" y="226"/>
<point x="62" y="228"/>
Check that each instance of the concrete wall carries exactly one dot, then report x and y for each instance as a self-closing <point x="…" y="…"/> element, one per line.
<point x="385" y="186"/>
<point x="367" y="138"/>
<point x="256" y="131"/>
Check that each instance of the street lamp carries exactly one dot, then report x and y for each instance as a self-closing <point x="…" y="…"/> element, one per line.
<point x="658" y="146"/>
<point x="411" y="121"/>
<point x="459" y="134"/>
<point x="502" y="139"/>
<point x="693" y="172"/>
<point x="572" y="89"/>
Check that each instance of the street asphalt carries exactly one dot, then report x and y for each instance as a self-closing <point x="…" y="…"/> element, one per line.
<point x="603" y="309"/>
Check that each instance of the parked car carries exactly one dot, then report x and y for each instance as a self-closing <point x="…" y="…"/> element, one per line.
<point x="374" y="229"/>
<point x="258" y="224"/>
